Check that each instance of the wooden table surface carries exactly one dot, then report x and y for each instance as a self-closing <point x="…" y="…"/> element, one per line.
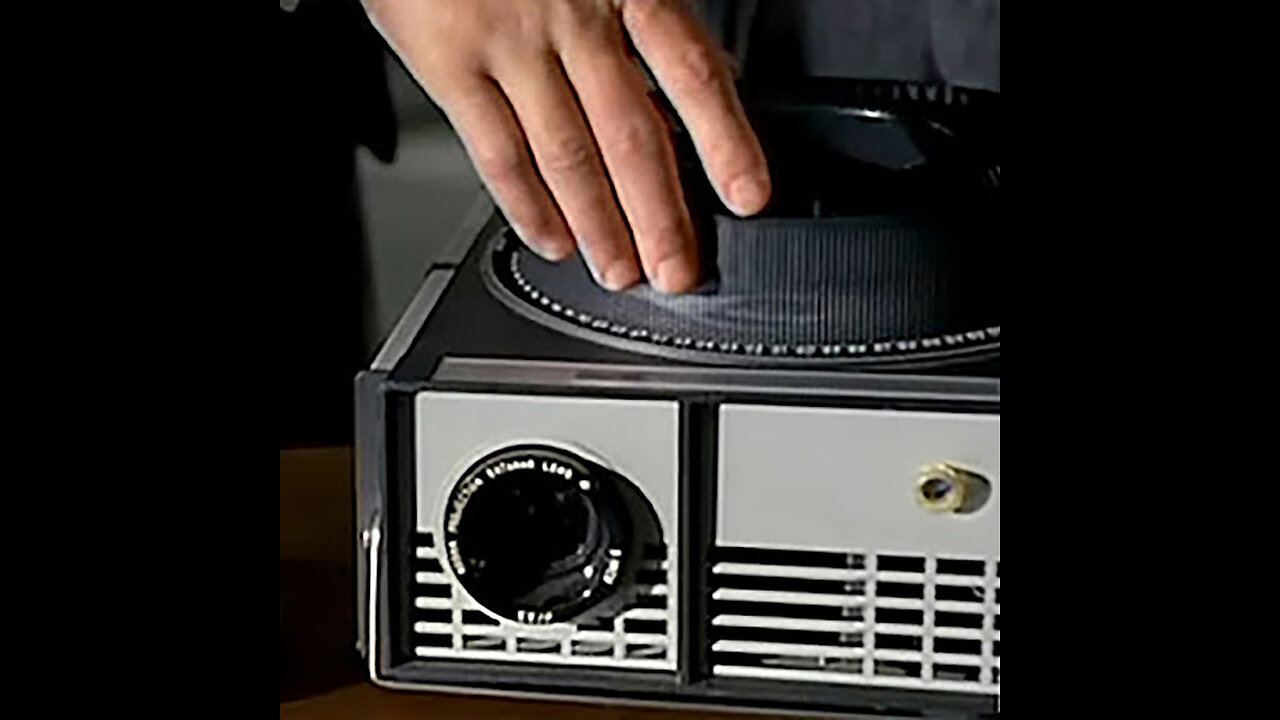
<point x="370" y="703"/>
<point x="321" y="675"/>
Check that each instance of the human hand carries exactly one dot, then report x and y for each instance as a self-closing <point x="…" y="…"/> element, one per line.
<point x="555" y="115"/>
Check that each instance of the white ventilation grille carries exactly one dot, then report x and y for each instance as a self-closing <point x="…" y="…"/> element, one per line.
<point x="907" y="621"/>
<point x="447" y="624"/>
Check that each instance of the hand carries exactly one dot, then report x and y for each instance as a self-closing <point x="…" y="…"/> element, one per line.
<point x="556" y="117"/>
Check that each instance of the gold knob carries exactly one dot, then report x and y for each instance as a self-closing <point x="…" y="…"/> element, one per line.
<point x="949" y="488"/>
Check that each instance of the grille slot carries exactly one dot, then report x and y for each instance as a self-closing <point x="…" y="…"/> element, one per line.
<point x="888" y="619"/>
<point x="447" y="624"/>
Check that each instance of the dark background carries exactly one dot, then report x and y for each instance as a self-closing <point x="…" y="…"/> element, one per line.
<point x="373" y="182"/>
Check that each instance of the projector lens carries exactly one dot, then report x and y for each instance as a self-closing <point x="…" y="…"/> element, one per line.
<point x="538" y="535"/>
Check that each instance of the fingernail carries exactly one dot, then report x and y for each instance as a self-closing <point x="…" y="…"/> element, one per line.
<point x="675" y="275"/>
<point x="748" y="195"/>
<point x="591" y="268"/>
<point x="620" y="276"/>
<point x="615" y="277"/>
<point x="550" y="253"/>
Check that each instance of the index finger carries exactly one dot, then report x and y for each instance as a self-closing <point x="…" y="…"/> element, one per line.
<point x="689" y="69"/>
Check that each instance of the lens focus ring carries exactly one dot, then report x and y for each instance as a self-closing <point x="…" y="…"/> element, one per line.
<point x="538" y="535"/>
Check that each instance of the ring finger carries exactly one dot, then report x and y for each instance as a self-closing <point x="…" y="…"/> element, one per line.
<point x="569" y="162"/>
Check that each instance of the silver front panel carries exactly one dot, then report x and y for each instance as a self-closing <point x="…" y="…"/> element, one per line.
<point x="835" y="479"/>
<point x="638" y="439"/>
<point x="829" y="568"/>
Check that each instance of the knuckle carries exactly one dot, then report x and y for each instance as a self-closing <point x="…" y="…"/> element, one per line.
<point x="699" y="67"/>
<point x="638" y="13"/>
<point x="499" y="163"/>
<point x="566" y="154"/>
<point x="634" y="139"/>
<point x="584" y="12"/>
